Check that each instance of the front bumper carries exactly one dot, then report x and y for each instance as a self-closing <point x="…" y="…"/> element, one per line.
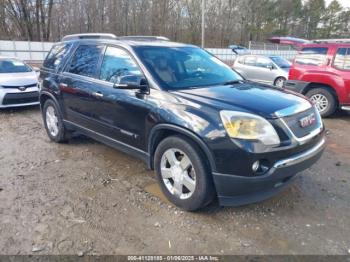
<point x="237" y="190"/>
<point x="296" y="86"/>
<point x="13" y="97"/>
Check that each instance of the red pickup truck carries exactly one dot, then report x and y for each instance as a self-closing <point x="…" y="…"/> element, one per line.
<point x="321" y="71"/>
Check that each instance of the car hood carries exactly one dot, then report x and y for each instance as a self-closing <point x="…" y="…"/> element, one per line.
<point x="18" y="79"/>
<point x="247" y="96"/>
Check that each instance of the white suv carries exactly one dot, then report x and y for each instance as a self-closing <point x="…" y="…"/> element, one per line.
<point x="18" y="83"/>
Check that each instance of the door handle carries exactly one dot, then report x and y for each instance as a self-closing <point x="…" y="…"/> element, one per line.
<point x="97" y="94"/>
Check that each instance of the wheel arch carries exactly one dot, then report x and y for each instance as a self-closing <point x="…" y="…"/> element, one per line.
<point x="162" y="131"/>
<point x="313" y="85"/>
<point x="44" y="96"/>
<point x="274" y="81"/>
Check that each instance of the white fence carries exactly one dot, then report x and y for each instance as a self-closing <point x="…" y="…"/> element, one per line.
<point x="226" y="54"/>
<point x="37" y="51"/>
<point x="28" y="51"/>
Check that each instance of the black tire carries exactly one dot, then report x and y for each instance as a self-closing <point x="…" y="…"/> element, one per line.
<point x="63" y="135"/>
<point x="204" y="191"/>
<point x="332" y="101"/>
<point x="281" y="78"/>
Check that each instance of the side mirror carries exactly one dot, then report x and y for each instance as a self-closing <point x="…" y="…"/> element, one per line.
<point x="131" y="82"/>
<point x="271" y="67"/>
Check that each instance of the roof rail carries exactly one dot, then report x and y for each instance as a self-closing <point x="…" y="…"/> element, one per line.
<point x="340" y="40"/>
<point x="144" y="38"/>
<point x="89" y="36"/>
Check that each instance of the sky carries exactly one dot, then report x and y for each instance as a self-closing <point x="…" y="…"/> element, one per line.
<point x="344" y="3"/>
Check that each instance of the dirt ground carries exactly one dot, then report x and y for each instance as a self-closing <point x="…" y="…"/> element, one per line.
<point x="86" y="198"/>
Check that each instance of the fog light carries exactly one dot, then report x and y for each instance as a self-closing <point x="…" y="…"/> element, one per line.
<point x="256" y="166"/>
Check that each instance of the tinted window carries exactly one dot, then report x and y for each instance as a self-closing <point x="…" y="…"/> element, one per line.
<point x="85" y="60"/>
<point x="13" y="66"/>
<point x="185" y="67"/>
<point x="56" y="55"/>
<point x="312" y="56"/>
<point x="116" y="63"/>
<point x="250" y="60"/>
<point x="342" y="59"/>
<point x="263" y="62"/>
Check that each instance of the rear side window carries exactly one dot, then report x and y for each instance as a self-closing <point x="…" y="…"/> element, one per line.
<point x="342" y="59"/>
<point x="312" y="56"/>
<point x="250" y="60"/>
<point x="85" y="60"/>
<point x="56" y="55"/>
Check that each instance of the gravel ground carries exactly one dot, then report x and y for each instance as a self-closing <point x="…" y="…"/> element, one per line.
<point x="86" y="198"/>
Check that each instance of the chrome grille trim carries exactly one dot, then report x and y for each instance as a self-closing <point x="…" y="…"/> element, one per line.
<point x="312" y="134"/>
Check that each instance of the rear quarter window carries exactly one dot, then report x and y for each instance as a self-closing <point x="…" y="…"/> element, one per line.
<point x="312" y="56"/>
<point x="54" y="59"/>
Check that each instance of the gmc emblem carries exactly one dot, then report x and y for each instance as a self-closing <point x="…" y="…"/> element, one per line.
<point x="307" y="121"/>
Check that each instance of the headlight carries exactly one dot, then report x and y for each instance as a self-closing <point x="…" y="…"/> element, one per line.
<point x="249" y="127"/>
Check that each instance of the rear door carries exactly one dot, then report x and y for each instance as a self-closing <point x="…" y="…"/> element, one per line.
<point x="78" y="85"/>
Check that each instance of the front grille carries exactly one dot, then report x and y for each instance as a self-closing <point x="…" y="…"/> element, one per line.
<point x="17" y="86"/>
<point x="20" y="98"/>
<point x="293" y="122"/>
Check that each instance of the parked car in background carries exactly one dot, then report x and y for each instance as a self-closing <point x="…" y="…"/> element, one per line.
<point x="18" y="83"/>
<point x="321" y="71"/>
<point x="205" y="130"/>
<point x="271" y="70"/>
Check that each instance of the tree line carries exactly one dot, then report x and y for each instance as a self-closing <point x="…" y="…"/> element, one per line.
<point x="227" y="21"/>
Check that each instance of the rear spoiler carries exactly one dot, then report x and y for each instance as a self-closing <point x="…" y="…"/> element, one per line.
<point x="287" y="40"/>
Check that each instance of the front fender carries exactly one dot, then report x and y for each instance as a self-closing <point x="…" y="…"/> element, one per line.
<point x="332" y="80"/>
<point x="183" y="131"/>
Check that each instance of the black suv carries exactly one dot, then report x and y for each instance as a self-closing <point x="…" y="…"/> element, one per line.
<point x="205" y="130"/>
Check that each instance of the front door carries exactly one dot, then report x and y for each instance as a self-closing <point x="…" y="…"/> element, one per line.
<point x="123" y="112"/>
<point x="264" y="70"/>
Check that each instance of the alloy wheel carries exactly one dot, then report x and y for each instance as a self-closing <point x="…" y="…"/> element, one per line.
<point x="320" y="101"/>
<point x="178" y="173"/>
<point x="280" y="82"/>
<point x="52" y="121"/>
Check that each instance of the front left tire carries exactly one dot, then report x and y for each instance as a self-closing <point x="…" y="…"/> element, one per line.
<point x="183" y="173"/>
<point x="53" y="122"/>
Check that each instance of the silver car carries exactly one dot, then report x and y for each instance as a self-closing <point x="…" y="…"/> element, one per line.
<point x="18" y="83"/>
<point x="271" y="70"/>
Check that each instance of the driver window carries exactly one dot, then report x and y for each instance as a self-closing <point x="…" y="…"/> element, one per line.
<point x="117" y="63"/>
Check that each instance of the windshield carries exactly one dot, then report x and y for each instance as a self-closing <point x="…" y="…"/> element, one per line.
<point x="185" y="67"/>
<point x="281" y="62"/>
<point x="13" y="66"/>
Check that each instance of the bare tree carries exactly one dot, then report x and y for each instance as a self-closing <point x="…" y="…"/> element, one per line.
<point x="227" y="21"/>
